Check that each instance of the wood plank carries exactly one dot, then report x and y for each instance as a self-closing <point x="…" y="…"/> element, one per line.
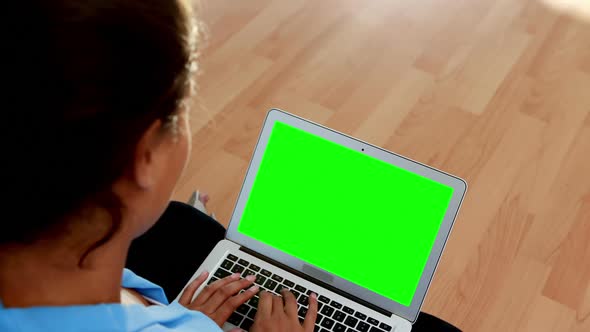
<point x="570" y="272"/>
<point x="517" y="147"/>
<point x="556" y="217"/>
<point x="525" y="278"/>
<point x="391" y="111"/>
<point x="548" y="315"/>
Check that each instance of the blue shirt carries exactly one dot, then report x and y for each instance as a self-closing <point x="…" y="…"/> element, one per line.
<point x="110" y="317"/>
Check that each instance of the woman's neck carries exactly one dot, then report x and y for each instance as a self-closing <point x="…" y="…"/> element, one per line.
<point x="45" y="275"/>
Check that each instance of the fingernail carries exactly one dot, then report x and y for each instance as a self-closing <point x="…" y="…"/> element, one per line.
<point x="204" y="273"/>
<point x="254" y="289"/>
<point x="235" y="276"/>
<point x="313" y="295"/>
<point x="251" y="278"/>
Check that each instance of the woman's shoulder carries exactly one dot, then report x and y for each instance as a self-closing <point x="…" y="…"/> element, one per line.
<point x="90" y="318"/>
<point x="110" y="317"/>
<point x="105" y="317"/>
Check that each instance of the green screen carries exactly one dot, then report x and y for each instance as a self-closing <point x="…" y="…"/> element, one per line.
<point x="362" y="219"/>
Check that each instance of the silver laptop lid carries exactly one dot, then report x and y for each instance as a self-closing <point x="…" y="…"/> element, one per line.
<point x="364" y="220"/>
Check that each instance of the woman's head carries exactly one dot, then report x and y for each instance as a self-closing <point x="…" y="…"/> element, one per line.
<point x="93" y="116"/>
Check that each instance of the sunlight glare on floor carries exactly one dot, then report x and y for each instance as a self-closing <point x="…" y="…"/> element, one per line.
<point x="578" y="8"/>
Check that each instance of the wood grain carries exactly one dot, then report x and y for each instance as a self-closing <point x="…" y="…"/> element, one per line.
<point x="494" y="91"/>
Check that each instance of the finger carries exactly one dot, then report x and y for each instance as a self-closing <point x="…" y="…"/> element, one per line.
<point x="228" y="307"/>
<point x="265" y="304"/>
<point x="290" y="303"/>
<point x="224" y="293"/>
<point x="212" y="288"/>
<point x="189" y="291"/>
<point x="312" y="313"/>
<point x="277" y="305"/>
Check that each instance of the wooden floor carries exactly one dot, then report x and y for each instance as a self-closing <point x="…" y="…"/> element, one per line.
<point x="494" y="91"/>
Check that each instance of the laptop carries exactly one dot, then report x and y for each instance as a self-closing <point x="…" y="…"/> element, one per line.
<point x="322" y="212"/>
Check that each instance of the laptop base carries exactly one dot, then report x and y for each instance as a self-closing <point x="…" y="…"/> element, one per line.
<point x="335" y="312"/>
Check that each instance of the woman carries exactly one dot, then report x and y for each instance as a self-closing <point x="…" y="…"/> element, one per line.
<point x="97" y="136"/>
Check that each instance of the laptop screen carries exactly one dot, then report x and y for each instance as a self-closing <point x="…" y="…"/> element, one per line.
<point x="357" y="217"/>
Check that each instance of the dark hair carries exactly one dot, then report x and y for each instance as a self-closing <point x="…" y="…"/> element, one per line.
<point x="85" y="79"/>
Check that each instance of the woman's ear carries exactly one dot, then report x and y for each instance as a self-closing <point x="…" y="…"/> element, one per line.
<point x="145" y="168"/>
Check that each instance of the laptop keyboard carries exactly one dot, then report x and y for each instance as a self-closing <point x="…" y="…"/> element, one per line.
<point x="332" y="316"/>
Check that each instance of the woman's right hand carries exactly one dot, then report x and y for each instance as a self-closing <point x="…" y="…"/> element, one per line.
<point x="219" y="299"/>
<point x="280" y="314"/>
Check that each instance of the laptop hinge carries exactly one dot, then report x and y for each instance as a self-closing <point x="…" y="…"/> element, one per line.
<point x="316" y="281"/>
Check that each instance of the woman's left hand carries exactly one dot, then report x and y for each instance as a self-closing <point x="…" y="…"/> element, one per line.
<point x="219" y="299"/>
